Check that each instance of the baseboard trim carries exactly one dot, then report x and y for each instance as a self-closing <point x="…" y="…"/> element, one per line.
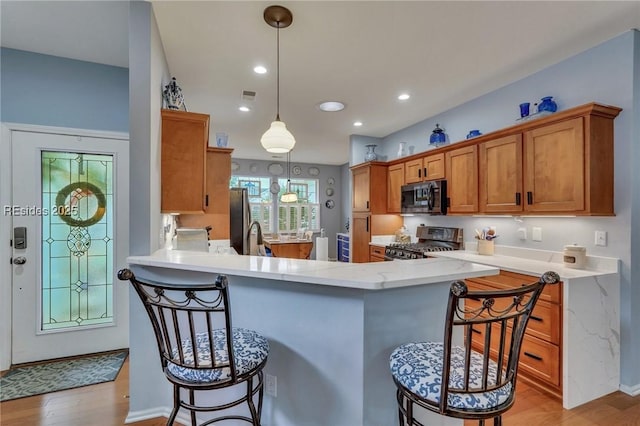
<point x="630" y="390"/>
<point x="153" y="413"/>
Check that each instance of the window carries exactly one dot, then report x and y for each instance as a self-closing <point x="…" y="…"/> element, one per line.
<point x="289" y="217"/>
<point x="305" y="213"/>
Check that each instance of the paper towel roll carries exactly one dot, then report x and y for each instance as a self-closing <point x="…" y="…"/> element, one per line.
<point x="322" y="248"/>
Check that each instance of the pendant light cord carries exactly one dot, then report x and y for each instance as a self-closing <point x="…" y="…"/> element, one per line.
<point x="278" y="73"/>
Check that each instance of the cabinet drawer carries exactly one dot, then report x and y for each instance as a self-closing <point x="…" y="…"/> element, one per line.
<point x="376" y="251"/>
<point x="551" y="293"/>
<point x="544" y="321"/>
<point x="540" y="359"/>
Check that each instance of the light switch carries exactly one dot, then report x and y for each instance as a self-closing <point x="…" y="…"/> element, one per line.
<point x="536" y="233"/>
<point x="601" y="238"/>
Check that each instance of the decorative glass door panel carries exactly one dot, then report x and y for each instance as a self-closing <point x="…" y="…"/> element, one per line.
<point x="77" y="240"/>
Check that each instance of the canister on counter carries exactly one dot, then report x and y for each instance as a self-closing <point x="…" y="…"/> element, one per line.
<point x="575" y="256"/>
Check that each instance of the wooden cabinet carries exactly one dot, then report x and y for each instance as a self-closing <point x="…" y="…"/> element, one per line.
<point x="360" y="237"/>
<point x="554" y="167"/>
<point x="216" y="212"/>
<point x="185" y="136"/>
<point x="462" y="179"/>
<point x="395" y="180"/>
<point x="500" y="174"/>
<point x="430" y="167"/>
<point x="376" y="253"/>
<point x="541" y="354"/>
<point x="370" y="187"/>
<point x="560" y="164"/>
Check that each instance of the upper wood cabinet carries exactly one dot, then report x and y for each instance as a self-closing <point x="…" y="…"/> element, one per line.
<point x="430" y="167"/>
<point x="500" y="172"/>
<point x="395" y="180"/>
<point x="370" y="187"/>
<point x="462" y="179"/>
<point x="554" y="167"/>
<point x="560" y="164"/>
<point x="185" y="136"/>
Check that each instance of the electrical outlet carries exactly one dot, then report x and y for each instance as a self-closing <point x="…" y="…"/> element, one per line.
<point x="522" y="233"/>
<point x="271" y="385"/>
<point x="601" y="238"/>
<point x="536" y="233"/>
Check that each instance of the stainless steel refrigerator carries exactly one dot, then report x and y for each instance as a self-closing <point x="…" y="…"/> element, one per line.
<point x="239" y="219"/>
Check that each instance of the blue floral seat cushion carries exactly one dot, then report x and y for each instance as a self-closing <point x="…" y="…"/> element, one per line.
<point x="250" y="349"/>
<point x="418" y="367"/>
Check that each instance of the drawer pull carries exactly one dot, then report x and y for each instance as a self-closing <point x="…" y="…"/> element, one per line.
<point x="536" y="357"/>
<point x="536" y="318"/>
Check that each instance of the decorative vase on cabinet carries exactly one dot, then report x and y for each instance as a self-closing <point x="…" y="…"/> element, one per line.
<point x="548" y="104"/>
<point x="371" y="153"/>
<point x="402" y="151"/>
<point x="438" y="137"/>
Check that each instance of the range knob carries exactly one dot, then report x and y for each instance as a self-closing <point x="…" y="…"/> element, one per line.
<point x="414" y="256"/>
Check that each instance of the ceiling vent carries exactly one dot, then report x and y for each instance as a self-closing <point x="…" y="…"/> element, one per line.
<point x="248" y="95"/>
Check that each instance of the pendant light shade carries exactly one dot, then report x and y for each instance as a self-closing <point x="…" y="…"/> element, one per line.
<point x="278" y="139"/>
<point x="289" y="196"/>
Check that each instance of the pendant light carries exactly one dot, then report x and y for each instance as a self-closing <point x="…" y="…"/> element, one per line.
<point x="289" y="196"/>
<point x="278" y="139"/>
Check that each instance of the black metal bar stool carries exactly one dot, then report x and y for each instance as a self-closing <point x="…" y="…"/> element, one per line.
<point x="477" y="379"/>
<point x="199" y="349"/>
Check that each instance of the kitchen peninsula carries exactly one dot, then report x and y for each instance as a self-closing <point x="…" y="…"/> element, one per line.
<point x="331" y="327"/>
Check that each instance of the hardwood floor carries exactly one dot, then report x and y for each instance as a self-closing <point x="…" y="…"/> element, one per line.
<point x="106" y="404"/>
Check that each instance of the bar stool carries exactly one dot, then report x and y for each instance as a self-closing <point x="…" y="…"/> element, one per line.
<point x="475" y="380"/>
<point x="199" y="349"/>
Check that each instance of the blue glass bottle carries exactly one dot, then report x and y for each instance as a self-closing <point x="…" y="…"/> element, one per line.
<point x="438" y="136"/>
<point x="548" y="104"/>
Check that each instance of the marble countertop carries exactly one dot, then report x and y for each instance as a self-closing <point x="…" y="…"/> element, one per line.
<point x="366" y="276"/>
<point x="533" y="262"/>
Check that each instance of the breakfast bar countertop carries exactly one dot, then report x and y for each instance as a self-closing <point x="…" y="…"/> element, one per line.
<point x="365" y="276"/>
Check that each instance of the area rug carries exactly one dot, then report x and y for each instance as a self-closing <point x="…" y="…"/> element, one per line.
<point x="59" y="375"/>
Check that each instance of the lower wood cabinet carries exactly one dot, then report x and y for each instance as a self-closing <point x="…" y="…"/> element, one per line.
<point x="360" y="237"/>
<point x="541" y="354"/>
<point x="376" y="254"/>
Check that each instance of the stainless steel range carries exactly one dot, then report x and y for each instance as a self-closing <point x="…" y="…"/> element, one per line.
<point x="430" y="239"/>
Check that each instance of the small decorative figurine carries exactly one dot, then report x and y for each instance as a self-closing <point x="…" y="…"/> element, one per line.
<point x="173" y="95"/>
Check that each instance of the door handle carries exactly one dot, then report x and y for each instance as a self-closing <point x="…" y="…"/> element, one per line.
<point x="419" y="173"/>
<point x="20" y="260"/>
<point x="425" y="172"/>
<point x="367" y="224"/>
<point x="518" y="201"/>
<point x="529" y="197"/>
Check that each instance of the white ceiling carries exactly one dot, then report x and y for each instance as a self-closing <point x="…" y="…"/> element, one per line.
<point x="361" y="53"/>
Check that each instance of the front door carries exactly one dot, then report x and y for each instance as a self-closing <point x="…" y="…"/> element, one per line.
<point x="69" y="216"/>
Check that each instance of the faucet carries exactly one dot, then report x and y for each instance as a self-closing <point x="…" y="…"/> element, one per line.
<point x="259" y="240"/>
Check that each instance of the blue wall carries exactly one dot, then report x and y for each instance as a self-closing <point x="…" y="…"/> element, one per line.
<point x="53" y="91"/>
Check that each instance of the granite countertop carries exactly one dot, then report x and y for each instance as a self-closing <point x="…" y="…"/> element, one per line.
<point x="533" y="262"/>
<point x="365" y="276"/>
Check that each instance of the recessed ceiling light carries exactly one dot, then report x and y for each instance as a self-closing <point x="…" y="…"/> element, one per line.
<point x="260" y="70"/>
<point x="244" y="108"/>
<point x="331" y="106"/>
<point x="357" y="123"/>
<point x="404" y="96"/>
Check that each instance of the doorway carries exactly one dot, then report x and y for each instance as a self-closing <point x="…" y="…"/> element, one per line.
<point x="68" y="220"/>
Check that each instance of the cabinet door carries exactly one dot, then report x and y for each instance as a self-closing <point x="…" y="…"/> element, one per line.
<point x="360" y="237"/>
<point x="185" y="136"/>
<point x="501" y="175"/>
<point x="413" y="171"/>
<point x="433" y="167"/>
<point x="361" y="179"/>
<point x="462" y="179"/>
<point x="554" y="167"/>
<point x="218" y="176"/>
<point x="395" y="180"/>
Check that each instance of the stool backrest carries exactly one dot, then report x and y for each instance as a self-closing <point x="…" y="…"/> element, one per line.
<point x="491" y="323"/>
<point x="185" y="318"/>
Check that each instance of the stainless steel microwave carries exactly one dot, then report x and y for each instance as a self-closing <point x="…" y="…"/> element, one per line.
<point x="425" y="197"/>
